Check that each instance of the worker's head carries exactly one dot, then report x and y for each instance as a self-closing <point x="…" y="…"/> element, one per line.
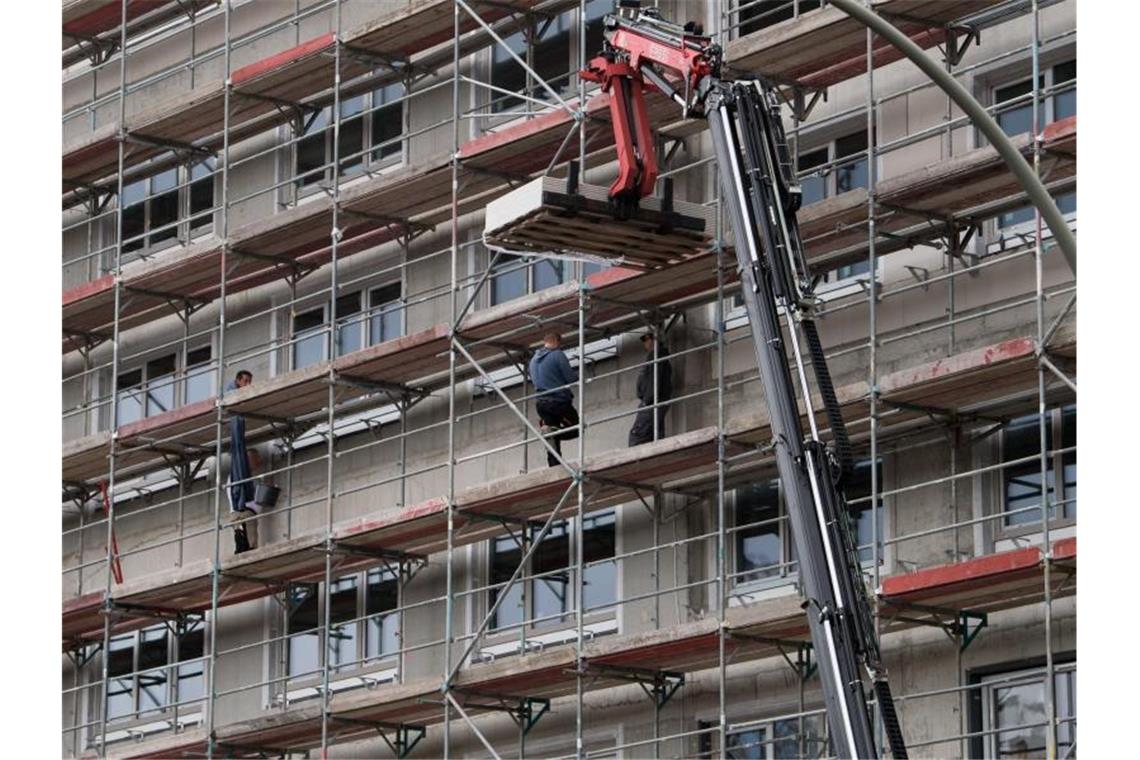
<point x="244" y="378"/>
<point x="647" y="342"/>
<point x="552" y="340"/>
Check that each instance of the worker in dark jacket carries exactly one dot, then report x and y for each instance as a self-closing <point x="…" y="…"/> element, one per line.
<point x="242" y="487"/>
<point x="650" y="392"/>
<point x="551" y="373"/>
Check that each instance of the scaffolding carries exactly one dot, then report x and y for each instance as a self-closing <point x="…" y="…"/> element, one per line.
<point x="949" y="382"/>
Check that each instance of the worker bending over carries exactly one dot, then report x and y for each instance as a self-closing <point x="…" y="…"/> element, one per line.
<point x="551" y="373"/>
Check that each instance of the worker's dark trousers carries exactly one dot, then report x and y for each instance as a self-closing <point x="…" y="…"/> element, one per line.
<point x="557" y="413"/>
<point x="642" y="430"/>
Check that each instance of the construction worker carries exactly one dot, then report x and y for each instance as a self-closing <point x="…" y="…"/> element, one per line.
<point x="242" y="488"/>
<point x="654" y="386"/>
<point x="551" y="373"/>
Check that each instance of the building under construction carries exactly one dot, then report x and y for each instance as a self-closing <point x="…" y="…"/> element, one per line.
<point x="311" y="191"/>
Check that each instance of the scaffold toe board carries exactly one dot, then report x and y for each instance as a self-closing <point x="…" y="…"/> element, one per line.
<point x="542" y="217"/>
<point x="823" y="47"/>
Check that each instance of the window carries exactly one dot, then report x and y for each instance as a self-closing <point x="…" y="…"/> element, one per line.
<point x="1021" y="497"/>
<point x="173" y="204"/>
<point x="158" y="386"/>
<point x="763" y="541"/>
<point x="553" y="51"/>
<point x="371" y="126"/>
<point x="516" y="276"/>
<point x="1019" y="119"/>
<point x="777" y="740"/>
<point x="1009" y="710"/>
<point x="549" y="595"/>
<point x="364" y="627"/>
<point x="823" y="174"/>
<point x="151" y="670"/>
<point x="766" y="13"/>
<point x="356" y="327"/>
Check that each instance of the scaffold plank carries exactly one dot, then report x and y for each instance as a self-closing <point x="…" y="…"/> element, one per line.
<point x="826" y="46"/>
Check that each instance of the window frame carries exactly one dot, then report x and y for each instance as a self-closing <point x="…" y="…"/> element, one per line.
<point x="487" y="99"/>
<point x="983" y="681"/>
<point x="140" y="718"/>
<point x="1057" y="487"/>
<point x="999" y="234"/>
<point x="353" y="673"/>
<point x="184" y="229"/>
<point x="787" y="571"/>
<point x="795" y="6"/>
<point x="361" y="319"/>
<point x="368" y="163"/>
<point x="179" y="380"/>
<point x="768" y="743"/>
<point x="497" y="632"/>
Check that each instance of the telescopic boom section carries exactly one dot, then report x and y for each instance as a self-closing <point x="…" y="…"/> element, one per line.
<point x="761" y="195"/>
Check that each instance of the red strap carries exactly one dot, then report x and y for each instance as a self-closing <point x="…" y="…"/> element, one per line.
<point x="116" y="565"/>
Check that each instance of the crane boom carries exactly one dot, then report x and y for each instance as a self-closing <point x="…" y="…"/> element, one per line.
<point x="643" y="51"/>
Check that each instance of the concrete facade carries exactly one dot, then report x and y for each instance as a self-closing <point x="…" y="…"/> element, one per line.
<point x="162" y="525"/>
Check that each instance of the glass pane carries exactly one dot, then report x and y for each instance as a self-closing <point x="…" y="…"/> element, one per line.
<point x="505" y="557"/>
<point x="1069" y="461"/>
<point x="551" y="592"/>
<point x="552" y="57"/>
<point x="590" y="267"/>
<point x="310" y="158"/>
<point x="1067" y="203"/>
<point x="350" y="150"/>
<point x="134" y="193"/>
<point x="387" y="321"/>
<point x="1015" y="708"/>
<point x="309" y="338"/>
<point x="599" y="540"/>
<point x="548" y="272"/>
<point x="199" y="375"/>
<point x="506" y="73"/>
<point x="160" y="385"/>
<point x="191" y="676"/>
<point x="342" y="638"/>
<point x="787" y="738"/>
<point x="814" y="188"/>
<point x="130" y="398"/>
<point x="747" y="745"/>
<point x="120" y="691"/>
<point x="596" y="11"/>
<point x="1020" y="439"/>
<point x="765" y="13"/>
<point x="1064" y="103"/>
<point x="387" y="126"/>
<point x="1012" y="218"/>
<point x="382" y="631"/>
<point x="510" y="284"/>
<point x="859" y="487"/>
<point x="1017" y="119"/>
<point x="303" y="619"/>
<point x="201" y="201"/>
<point x="758" y="547"/>
<point x="164" y="181"/>
<point x="163" y="217"/>
<point x="153" y="655"/>
<point x="852" y="175"/>
<point x="350" y="333"/>
<point x="134" y="224"/>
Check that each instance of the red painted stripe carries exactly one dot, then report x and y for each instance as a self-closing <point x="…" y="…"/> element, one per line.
<point x="546" y="121"/>
<point x="975" y="572"/>
<point x="1059" y="130"/>
<point x="108" y="17"/>
<point x="88" y="289"/>
<point x="283" y="58"/>
<point x="611" y="276"/>
<point x="1066" y="548"/>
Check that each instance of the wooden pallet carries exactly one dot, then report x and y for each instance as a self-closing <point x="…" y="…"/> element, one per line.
<point x="542" y="218"/>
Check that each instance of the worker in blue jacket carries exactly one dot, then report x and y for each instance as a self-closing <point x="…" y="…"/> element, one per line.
<point x="551" y="373"/>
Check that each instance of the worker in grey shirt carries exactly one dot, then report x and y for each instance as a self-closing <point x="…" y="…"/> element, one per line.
<point x="551" y="373"/>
